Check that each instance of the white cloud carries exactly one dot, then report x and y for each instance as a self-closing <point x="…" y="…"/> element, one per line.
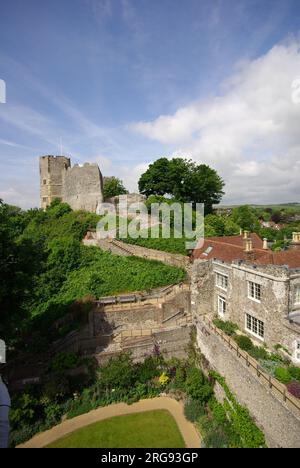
<point x="250" y="133"/>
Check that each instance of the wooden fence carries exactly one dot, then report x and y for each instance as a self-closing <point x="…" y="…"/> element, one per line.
<point x="112" y="303"/>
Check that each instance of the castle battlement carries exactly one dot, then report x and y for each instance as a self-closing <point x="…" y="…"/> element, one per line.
<point x="81" y="186"/>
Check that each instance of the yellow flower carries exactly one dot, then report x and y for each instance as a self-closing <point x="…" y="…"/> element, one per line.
<point x="163" y="379"/>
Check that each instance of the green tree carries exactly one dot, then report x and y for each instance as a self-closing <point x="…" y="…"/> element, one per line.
<point x="183" y="179"/>
<point x="113" y="187"/>
<point x="217" y="224"/>
<point x="245" y="217"/>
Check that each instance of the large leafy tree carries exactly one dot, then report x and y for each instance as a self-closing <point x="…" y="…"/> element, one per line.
<point x="112" y="187"/>
<point x="20" y="259"/>
<point x="245" y="217"/>
<point x="183" y="179"/>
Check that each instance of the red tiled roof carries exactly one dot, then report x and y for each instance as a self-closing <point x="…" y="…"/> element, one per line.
<point x="291" y="258"/>
<point x="230" y="248"/>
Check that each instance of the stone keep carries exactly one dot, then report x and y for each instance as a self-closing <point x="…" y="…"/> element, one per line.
<point x="81" y="186"/>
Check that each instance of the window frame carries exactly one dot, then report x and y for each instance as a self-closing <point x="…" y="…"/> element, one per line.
<point x="254" y="298"/>
<point x="221" y="275"/>
<point x="259" y="325"/>
<point x="296" y="295"/>
<point x="222" y="300"/>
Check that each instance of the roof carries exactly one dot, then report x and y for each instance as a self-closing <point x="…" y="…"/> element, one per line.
<point x="231" y="248"/>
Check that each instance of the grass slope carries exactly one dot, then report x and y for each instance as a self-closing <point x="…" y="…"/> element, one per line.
<point x="150" y="429"/>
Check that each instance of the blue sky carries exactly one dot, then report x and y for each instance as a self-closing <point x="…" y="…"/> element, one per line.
<point x="123" y="82"/>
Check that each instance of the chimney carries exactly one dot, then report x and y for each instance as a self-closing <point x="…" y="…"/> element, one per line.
<point x="265" y="244"/>
<point x="249" y="253"/>
<point x="295" y="244"/>
<point x="248" y="247"/>
<point x="241" y="232"/>
<point x="246" y="234"/>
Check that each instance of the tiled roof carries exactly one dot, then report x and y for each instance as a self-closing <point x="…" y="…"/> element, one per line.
<point x="230" y="248"/>
<point x="291" y="258"/>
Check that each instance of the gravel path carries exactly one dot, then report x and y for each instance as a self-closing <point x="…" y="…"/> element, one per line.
<point x="187" y="429"/>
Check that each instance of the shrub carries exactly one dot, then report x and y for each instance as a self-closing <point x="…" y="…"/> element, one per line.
<point x="53" y="413"/>
<point x="23" y="410"/>
<point x="216" y="439"/>
<point x="244" y="342"/>
<point x="193" y="409"/>
<point x="228" y="327"/>
<point x="282" y="374"/>
<point x="197" y="385"/>
<point x="63" y="361"/>
<point x="257" y="352"/>
<point x="269" y="366"/>
<point x="148" y="369"/>
<point x="55" y="386"/>
<point x="118" y="373"/>
<point x="294" y="388"/>
<point x="294" y="372"/>
<point x="180" y="376"/>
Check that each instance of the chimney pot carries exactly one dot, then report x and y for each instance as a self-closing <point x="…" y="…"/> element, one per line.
<point x="248" y="247"/>
<point x="246" y="234"/>
<point x="265" y="244"/>
<point x="295" y="244"/>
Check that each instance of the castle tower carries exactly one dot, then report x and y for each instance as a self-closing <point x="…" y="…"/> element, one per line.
<point x="51" y="178"/>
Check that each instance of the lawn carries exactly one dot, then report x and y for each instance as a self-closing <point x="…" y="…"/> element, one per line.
<point x="150" y="429"/>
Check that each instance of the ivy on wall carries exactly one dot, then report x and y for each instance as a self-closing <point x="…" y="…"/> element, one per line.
<point x="250" y="435"/>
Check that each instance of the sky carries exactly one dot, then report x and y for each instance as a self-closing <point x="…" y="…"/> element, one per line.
<point x="124" y="82"/>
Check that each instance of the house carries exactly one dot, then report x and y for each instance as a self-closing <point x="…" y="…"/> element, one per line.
<point x="239" y="279"/>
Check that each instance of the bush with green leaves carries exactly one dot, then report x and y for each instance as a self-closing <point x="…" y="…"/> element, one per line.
<point x="243" y="342"/>
<point x="193" y="409"/>
<point x="294" y="372"/>
<point x="23" y="409"/>
<point x="148" y="369"/>
<point x="282" y="374"/>
<point x="228" y="327"/>
<point x="63" y="361"/>
<point x="197" y="385"/>
<point x="118" y="373"/>
<point x="258" y="352"/>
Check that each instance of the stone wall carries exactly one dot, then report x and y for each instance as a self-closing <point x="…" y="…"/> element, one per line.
<point x="83" y="187"/>
<point x="280" y="424"/>
<point x="51" y="178"/>
<point x="171" y="343"/>
<point x="135" y="316"/>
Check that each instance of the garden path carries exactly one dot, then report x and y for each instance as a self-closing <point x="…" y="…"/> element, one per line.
<point x="187" y="429"/>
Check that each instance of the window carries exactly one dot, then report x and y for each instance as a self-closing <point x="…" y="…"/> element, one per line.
<point x="297" y="294"/>
<point x="221" y="306"/>
<point x="254" y="291"/>
<point x="222" y="281"/>
<point x="297" y="351"/>
<point x="207" y="251"/>
<point x="255" y="327"/>
<point x="45" y="199"/>
<point x="44" y="181"/>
